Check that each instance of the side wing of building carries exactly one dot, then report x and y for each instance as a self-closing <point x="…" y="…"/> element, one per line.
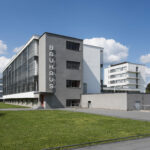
<point x="92" y="69"/>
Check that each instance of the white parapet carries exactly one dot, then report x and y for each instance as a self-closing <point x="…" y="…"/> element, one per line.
<point x="21" y="95"/>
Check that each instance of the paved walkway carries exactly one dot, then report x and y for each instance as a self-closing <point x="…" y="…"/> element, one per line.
<point x="16" y="109"/>
<point x="137" y="115"/>
<point x="140" y="144"/>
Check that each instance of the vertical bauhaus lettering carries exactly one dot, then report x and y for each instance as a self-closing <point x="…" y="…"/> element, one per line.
<point x="51" y="67"/>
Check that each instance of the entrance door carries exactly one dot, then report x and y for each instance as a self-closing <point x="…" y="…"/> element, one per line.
<point x="89" y="104"/>
<point x="137" y="105"/>
<point x="42" y="100"/>
<point x="72" y="102"/>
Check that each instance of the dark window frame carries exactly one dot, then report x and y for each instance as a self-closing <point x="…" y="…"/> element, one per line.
<point x="73" y="65"/>
<point x="74" y="46"/>
<point x="73" y="83"/>
<point x="72" y="102"/>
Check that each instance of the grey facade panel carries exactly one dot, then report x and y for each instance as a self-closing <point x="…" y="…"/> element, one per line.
<point x="58" y="97"/>
<point x="132" y="99"/>
<point x="143" y="100"/>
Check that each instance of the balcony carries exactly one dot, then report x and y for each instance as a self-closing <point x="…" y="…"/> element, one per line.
<point x="118" y="72"/>
<point x="133" y="71"/>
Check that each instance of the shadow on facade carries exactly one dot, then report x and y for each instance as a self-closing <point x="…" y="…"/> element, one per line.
<point x="53" y="101"/>
<point x="93" y="85"/>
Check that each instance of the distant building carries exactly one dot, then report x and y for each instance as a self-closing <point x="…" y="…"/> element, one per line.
<point x="125" y="76"/>
<point x="1" y="89"/>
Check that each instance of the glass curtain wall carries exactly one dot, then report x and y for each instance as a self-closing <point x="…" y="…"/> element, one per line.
<point x="22" y="74"/>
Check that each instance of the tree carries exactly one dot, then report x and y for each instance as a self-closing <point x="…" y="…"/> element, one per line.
<point x="148" y="88"/>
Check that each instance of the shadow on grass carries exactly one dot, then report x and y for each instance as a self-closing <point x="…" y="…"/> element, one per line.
<point x="2" y="114"/>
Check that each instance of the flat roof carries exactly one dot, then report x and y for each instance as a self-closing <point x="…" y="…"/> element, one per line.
<point x="94" y="46"/>
<point x="125" y="62"/>
<point x="59" y="35"/>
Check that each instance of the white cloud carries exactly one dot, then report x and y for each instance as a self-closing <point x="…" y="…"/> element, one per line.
<point x="145" y="58"/>
<point x="17" y="49"/>
<point x="3" y="47"/>
<point x="3" y="62"/>
<point x="113" y="51"/>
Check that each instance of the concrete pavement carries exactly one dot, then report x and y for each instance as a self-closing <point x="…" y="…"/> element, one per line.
<point x="140" y="144"/>
<point x="16" y="109"/>
<point x="136" y="115"/>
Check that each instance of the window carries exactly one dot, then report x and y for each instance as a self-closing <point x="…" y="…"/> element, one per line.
<point x="124" y="68"/>
<point x="102" y="83"/>
<point x="112" y="70"/>
<point x="84" y="88"/>
<point x="101" y="65"/>
<point x="136" y="81"/>
<point x="73" y="83"/>
<point x="72" y="102"/>
<point x="1" y="94"/>
<point x="72" y="65"/>
<point x="137" y="69"/>
<point x="137" y="86"/>
<point x="72" y="46"/>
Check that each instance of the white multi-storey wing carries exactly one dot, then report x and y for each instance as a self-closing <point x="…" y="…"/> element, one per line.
<point x="125" y="76"/>
<point x="92" y="69"/>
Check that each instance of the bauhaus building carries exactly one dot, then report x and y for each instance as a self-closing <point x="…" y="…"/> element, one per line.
<point x="53" y="71"/>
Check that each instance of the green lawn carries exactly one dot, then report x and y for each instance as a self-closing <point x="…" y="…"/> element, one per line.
<point x="3" y="105"/>
<point x="35" y="130"/>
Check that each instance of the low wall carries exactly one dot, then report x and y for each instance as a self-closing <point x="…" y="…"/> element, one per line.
<point x="106" y="101"/>
<point x="143" y="99"/>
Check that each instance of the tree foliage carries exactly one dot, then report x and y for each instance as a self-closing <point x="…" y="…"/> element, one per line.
<point x="148" y="88"/>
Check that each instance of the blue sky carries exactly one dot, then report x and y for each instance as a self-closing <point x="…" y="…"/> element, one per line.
<point x="125" y="21"/>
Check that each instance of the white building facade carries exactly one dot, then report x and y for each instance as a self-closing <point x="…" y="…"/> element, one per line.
<point x="92" y="69"/>
<point x="125" y="77"/>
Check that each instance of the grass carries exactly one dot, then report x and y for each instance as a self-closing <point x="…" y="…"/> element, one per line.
<point x="3" y="106"/>
<point x="35" y="130"/>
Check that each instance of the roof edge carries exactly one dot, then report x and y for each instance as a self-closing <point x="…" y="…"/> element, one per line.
<point x="126" y="62"/>
<point x="59" y="35"/>
<point x="13" y="58"/>
<point x="94" y="46"/>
